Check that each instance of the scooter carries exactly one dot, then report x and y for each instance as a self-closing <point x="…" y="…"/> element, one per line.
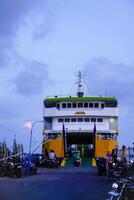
<point x="77" y="162"/>
<point x="53" y="163"/>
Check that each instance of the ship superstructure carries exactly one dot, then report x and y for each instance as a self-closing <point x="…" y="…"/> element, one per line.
<point x="80" y="114"/>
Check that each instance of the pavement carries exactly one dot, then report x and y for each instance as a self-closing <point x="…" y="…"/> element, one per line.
<point x="63" y="183"/>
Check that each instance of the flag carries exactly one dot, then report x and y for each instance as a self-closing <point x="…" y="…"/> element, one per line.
<point x="64" y="139"/>
<point x="63" y="130"/>
<point x="94" y="130"/>
<point x="94" y="139"/>
<point x="28" y="125"/>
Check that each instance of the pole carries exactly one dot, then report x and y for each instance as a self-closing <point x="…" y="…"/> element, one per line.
<point x="129" y="154"/>
<point x="65" y="144"/>
<point x="31" y="134"/>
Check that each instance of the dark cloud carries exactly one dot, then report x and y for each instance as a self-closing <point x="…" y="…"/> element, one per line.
<point x="109" y="78"/>
<point x="31" y="79"/>
<point x="13" y="13"/>
<point x="114" y="79"/>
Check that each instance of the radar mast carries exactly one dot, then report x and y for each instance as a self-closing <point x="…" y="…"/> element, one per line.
<point x="80" y="91"/>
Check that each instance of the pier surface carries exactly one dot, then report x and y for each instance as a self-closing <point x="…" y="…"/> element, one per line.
<point x="67" y="183"/>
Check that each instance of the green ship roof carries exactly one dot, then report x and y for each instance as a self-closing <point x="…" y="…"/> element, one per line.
<point x="60" y="99"/>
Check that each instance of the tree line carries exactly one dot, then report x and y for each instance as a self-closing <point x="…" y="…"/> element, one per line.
<point x="5" y="151"/>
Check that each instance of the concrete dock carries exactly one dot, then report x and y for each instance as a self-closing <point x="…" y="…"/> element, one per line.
<point x="64" y="183"/>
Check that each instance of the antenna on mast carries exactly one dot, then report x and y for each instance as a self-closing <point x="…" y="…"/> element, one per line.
<point x="80" y="91"/>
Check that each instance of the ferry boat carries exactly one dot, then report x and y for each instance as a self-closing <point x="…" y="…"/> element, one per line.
<point x="86" y="123"/>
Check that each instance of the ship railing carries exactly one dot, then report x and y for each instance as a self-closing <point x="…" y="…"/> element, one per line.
<point x="66" y="95"/>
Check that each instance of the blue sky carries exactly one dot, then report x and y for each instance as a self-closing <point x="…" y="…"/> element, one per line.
<point x="43" y="43"/>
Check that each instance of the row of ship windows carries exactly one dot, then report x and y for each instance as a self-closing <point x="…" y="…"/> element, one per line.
<point x="80" y="105"/>
<point x="85" y="119"/>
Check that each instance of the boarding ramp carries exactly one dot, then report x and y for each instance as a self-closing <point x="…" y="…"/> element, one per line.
<point x="85" y="162"/>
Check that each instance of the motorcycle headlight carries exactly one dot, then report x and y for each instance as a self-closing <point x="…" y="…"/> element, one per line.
<point x="115" y="185"/>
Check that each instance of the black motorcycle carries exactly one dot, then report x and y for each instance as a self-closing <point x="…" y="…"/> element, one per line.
<point x="122" y="189"/>
<point x="33" y="169"/>
<point x="50" y="163"/>
<point x="101" y="166"/>
<point x="53" y="163"/>
<point x="77" y="162"/>
<point x="18" y="170"/>
<point x="29" y="168"/>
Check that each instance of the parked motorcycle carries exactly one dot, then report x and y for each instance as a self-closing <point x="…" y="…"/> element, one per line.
<point x="77" y="159"/>
<point x="101" y="166"/>
<point x="122" y="189"/>
<point x="77" y="162"/>
<point x="29" y="168"/>
<point x="18" y="170"/>
<point x="53" y="163"/>
<point x="33" y="169"/>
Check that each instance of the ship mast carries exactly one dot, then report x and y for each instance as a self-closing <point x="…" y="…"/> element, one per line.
<point x="80" y="91"/>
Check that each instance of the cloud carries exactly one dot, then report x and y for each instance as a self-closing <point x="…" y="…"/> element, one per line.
<point x="14" y="15"/>
<point x="42" y="30"/>
<point x="106" y="77"/>
<point x="31" y="79"/>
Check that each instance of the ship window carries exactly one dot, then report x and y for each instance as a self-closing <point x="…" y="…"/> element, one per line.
<point x="80" y="119"/>
<point x="110" y="104"/>
<point x="64" y="105"/>
<point x="93" y="119"/>
<point x="102" y="105"/>
<point x="86" y="119"/>
<point x="67" y="119"/>
<point x="100" y="120"/>
<point x="73" y="119"/>
<point x="69" y="105"/>
<point x="85" y="105"/>
<point x="80" y="105"/>
<point x="96" y="105"/>
<point x="60" y="120"/>
<point x="91" y="105"/>
<point x="74" y="105"/>
<point x="58" y="106"/>
<point x="48" y="123"/>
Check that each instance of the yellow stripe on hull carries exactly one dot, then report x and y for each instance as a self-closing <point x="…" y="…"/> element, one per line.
<point x="93" y="162"/>
<point x="63" y="162"/>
